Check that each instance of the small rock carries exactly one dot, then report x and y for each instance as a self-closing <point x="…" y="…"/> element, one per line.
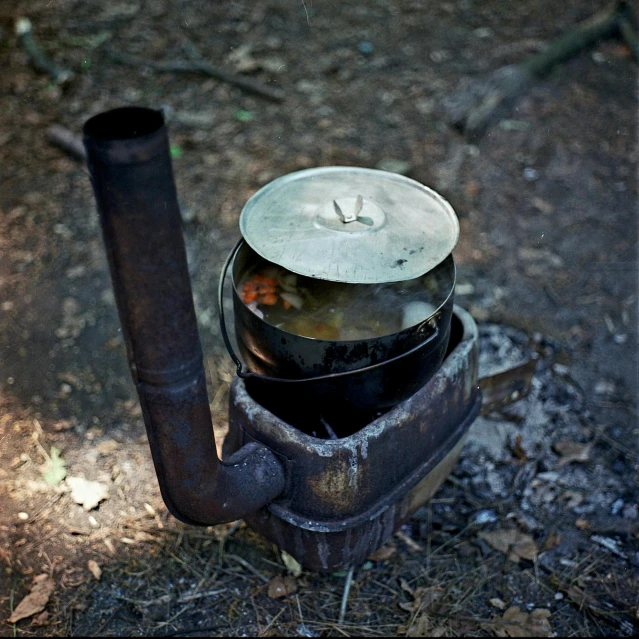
<point x="605" y="387"/>
<point x="530" y="174"/>
<point x="484" y="517"/>
<point x="559" y="596"/>
<point x="616" y="507"/>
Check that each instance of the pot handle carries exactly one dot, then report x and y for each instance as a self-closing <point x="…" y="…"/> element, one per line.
<point x="220" y="308"/>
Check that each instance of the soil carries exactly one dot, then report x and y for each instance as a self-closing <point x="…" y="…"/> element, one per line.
<point x="547" y="201"/>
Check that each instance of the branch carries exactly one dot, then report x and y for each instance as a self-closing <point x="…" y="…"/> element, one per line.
<point x="37" y="57"/>
<point x="67" y="141"/>
<point x="200" y="66"/>
<point x="476" y="104"/>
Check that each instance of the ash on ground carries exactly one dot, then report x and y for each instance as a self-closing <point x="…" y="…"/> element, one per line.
<point x="542" y="480"/>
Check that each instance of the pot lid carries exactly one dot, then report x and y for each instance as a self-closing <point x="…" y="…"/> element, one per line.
<point x="350" y="224"/>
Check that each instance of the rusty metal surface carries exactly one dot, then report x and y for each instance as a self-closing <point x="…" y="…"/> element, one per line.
<point x="130" y="166"/>
<point x="333" y="548"/>
<point x="345" y="497"/>
<point x="508" y="386"/>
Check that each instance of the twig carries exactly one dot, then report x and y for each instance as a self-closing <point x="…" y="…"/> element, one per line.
<point x="271" y="622"/>
<point x="146" y="603"/>
<point x="412" y="545"/>
<point x="37" y="57"/>
<point x="67" y="141"/>
<point x="199" y="66"/>
<point x="478" y="104"/>
<point x="347" y="590"/>
<point x="248" y="566"/>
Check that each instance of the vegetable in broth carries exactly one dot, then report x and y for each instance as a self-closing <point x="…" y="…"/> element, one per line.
<point x="337" y="311"/>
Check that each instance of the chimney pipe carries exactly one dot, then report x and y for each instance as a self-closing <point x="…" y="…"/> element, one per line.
<point x="130" y="167"/>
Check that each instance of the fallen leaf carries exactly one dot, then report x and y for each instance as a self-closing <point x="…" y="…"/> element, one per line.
<point x="552" y="541"/>
<point x="87" y="493"/>
<point x="292" y="564"/>
<point x="572" y="451"/>
<point x="516" y="545"/>
<point x="516" y="623"/>
<point x="55" y="469"/>
<point x="36" y="600"/>
<point x="497" y="603"/>
<point x="572" y="498"/>
<point x="41" y="620"/>
<point x="518" y="450"/>
<point x="95" y="569"/>
<point x="383" y="553"/>
<point x="421" y="627"/>
<point x="281" y="586"/>
<point x="422" y="598"/>
<point x="582" y="524"/>
<point x="108" y="446"/>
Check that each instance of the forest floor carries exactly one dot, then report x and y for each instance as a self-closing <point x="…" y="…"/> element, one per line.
<point x="542" y="511"/>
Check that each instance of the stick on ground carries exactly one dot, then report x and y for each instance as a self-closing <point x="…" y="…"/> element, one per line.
<point x="37" y="57"/>
<point x="200" y="66"/>
<point x="477" y="104"/>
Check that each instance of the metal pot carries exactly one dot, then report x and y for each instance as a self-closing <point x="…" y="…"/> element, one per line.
<point x="357" y="227"/>
<point x="346" y="383"/>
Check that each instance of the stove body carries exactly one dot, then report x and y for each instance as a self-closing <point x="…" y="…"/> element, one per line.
<point x="343" y="498"/>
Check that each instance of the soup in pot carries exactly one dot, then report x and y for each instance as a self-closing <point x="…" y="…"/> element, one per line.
<point x="337" y="311"/>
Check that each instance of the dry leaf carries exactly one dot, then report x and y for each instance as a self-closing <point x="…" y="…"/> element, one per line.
<point x="497" y="603"/>
<point x="36" y="600"/>
<point x="383" y="553"/>
<point x="572" y="451"/>
<point x="572" y="498"/>
<point x="281" y="586"/>
<point x="518" y="450"/>
<point x="423" y="598"/>
<point x="95" y="569"/>
<point x="41" y="620"/>
<point x="511" y="542"/>
<point x="292" y="564"/>
<point x="516" y="623"/>
<point x="583" y="524"/>
<point x="421" y="627"/>
<point x="108" y="446"/>
<point x="552" y="541"/>
<point x="87" y="493"/>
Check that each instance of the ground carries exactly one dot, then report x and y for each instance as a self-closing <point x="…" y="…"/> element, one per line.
<point x="547" y="205"/>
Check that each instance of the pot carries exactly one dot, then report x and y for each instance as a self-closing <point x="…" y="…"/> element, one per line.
<point x="308" y="382"/>
<point x="358" y="227"/>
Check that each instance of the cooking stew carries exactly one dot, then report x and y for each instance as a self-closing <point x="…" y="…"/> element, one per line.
<point x="337" y="311"/>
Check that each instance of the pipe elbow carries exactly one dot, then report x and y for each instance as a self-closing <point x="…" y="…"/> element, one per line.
<point x="196" y="486"/>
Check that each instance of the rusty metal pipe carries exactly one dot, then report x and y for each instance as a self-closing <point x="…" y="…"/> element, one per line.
<point x="130" y="167"/>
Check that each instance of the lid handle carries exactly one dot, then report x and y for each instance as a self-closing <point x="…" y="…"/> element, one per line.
<point x="353" y="216"/>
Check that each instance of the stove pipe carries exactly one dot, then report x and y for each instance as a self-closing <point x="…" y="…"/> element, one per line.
<point x="130" y="167"/>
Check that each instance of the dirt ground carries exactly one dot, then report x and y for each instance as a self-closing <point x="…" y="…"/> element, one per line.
<point x="547" y="201"/>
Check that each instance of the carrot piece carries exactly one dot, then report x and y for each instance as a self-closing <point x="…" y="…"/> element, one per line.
<point x="249" y="296"/>
<point x="269" y="299"/>
<point x="287" y="305"/>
